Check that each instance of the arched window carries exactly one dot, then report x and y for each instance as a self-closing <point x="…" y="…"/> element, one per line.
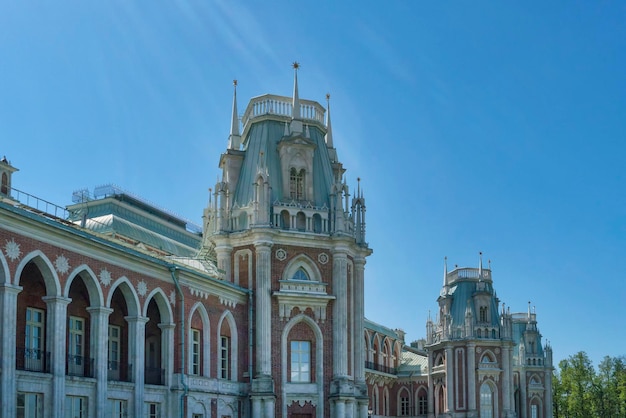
<point x="422" y="402"/>
<point x="483" y="314"/>
<point x="479" y="333"/>
<point x="301" y="221"/>
<point x="296" y="184"/>
<point x="300" y="274"/>
<point x="5" y="184"/>
<point x="405" y="405"/>
<point x="285" y="219"/>
<point x="486" y="401"/>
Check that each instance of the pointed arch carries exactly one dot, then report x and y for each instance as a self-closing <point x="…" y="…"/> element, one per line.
<point x="232" y="348"/>
<point x="5" y="273"/>
<point x="46" y="268"/>
<point x="96" y="297"/>
<point x="403" y="402"/>
<point x="205" y="347"/>
<point x="319" y="341"/>
<point x="488" y="400"/>
<point x="162" y="301"/>
<point x="386" y="401"/>
<point x="375" y="400"/>
<point x="306" y="263"/>
<point x="129" y="294"/>
<point x="488" y="357"/>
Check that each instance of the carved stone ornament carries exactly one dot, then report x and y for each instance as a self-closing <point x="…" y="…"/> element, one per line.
<point x="322" y="258"/>
<point x="281" y="254"/>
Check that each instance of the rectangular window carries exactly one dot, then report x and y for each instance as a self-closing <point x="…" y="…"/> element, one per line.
<point x="34" y="341"/>
<point x="404" y="406"/>
<point x="300" y="361"/>
<point x="195" y="352"/>
<point x="29" y="405"/>
<point x="76" y="346"/>
<point x="422" y="403"/>
<point x="533" y="411"/>
<point x="114" y="352"/>
<point x="153" y="410"/>
<point x="224" y="357"/>
<point x="119" y="408"/>
<point x="75" y="407"/>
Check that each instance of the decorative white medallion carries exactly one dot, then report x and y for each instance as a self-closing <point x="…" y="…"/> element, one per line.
<point x="281" y="254"/>
<point x="322" y="258"/>
<point x="173" y="298"/>
<point x="479" y="350"/>
<point x="105" y="277"/>
<point x="62" y="264"/>
<point x="12" y="250"/>
<point x="497" y="350"/>
<point x="142" y="288"/>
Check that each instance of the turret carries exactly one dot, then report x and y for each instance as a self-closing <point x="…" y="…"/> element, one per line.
<point x="6" y="172"/>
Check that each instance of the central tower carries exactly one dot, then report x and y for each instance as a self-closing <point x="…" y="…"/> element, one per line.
<point x="280" y="223"/>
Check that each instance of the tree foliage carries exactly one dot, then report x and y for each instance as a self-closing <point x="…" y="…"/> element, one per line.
<point x="581" y="391"/>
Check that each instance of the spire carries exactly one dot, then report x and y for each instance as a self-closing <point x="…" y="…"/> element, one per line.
<point x="529" y="310"/>
<point x="480" y="265"/>
<point x="329" y="128"/>
<point x="295" y="112"/>
<point x="234" y="139"/>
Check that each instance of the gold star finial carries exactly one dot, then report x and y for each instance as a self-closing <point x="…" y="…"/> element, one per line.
<point x="296" y="65"/>
<point x="235" y="82"/>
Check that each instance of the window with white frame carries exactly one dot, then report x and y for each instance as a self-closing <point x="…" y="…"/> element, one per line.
<point x="118" y="408"/>
<point x="534" y="413"/>
<point x="114" y="351"/>
<point x="486" y="401"/>
<point x="296" y="184"/>
<point x="75" y="407"/>
<point x="29" y="405"/>
<point x="422" y="402"/>
<point x="153" y="410"/>
<point x="300" y="361"/>
<point x="34" y="355"/>
<point x="76" y="346"/>
<point x="224" y="357"/>
<point x="196" y="352"/>
<point x="404" y="405"/>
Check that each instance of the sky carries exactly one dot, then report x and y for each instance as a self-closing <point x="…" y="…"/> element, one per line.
<point x="475" y="126"/>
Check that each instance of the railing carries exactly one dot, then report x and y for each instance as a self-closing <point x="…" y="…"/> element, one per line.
<point x="31" y="359"/>
<point x="154" y="376"/>
<point x="468" y="273"/>
<point x="39" y="205"/>
<point x="79" y="366"/>
<point x="270" y="104"/>
<point x="119" y="372"/>
<point x="379" y="367"/>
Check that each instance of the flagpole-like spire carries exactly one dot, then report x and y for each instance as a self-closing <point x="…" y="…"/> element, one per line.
<point x="329" y="128"/>
<point x="295" y="112"/>
<point x="445" y="270"/>
<point x="480" y="265"/>
<point x="234" y="139"/>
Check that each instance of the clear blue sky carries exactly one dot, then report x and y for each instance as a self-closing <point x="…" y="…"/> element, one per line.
<point x="475" y="126"/>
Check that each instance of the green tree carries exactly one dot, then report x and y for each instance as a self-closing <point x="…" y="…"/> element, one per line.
<point x="576" y="397"/>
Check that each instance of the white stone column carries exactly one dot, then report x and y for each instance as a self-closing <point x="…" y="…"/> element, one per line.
<point x="167" y="351"/>
<point x="270" y="408"/>
<point x="471" y="376"/>
<point x="8" y="311"/>
<point x="340" y="315"/>
<point x="223" y="253"/>
<point x="256" y="407"/>
<point x="98" y="347"/>
<point x="522" y="389"/>
<point x="449" y="379"/>
<point x="363" y="406"/>
<point x="56" y="329"/>
<point x="136" y="354"/>
<point x="548" y="393"/>
<point x="506" y="382"/>
<point x="359" y="315"/>
<point x="340" y="409"/>
<point x="263" y="318"/>
<point x="431" y="386"/>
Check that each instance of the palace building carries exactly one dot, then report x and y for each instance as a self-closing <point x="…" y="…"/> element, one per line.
<point x="114" y="307"/>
